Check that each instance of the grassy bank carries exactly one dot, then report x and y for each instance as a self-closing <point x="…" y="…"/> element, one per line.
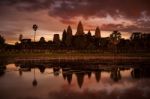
<point x="71" y="54"/>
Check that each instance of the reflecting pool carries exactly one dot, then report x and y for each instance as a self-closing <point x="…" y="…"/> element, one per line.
<point x="74" y="80"/>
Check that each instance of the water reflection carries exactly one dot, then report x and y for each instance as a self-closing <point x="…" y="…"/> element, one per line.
<point x="2" y="68"/>
<point x="80" y="71"/>
<point x="34" y="83"/>
<point x="65" y="76"/>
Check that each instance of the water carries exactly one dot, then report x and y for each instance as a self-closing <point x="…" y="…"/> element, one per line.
<point x="72" y="80"/>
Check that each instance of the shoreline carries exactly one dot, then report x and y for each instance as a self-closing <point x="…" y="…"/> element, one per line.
<point x="83" y="58"/>
<point x="75" y="56"/>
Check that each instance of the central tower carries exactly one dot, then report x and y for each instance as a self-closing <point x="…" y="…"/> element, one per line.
<point x="80" y="30"/>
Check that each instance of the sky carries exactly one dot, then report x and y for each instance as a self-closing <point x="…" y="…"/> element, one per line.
<point x="53" y="16"/>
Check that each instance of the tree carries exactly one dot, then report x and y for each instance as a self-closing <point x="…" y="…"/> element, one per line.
<point x="115" y="37"/>
<point x="136" y="36"/>
<point x="35" y="27"/>
<point x="136" y="39"/>
<point x="42" y="40"/>
<point x="2" y="40"/>
<point x="20" y="37"/>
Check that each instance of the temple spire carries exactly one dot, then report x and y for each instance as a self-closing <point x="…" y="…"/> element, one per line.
<point x="69" y="30"/>
<point x="97" y="33"/>
<point x="80" y="30"/>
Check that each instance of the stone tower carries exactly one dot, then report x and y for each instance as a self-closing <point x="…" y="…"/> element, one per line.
<point x="69" y="31"/>
<point x="97" y="33"/>
<point x="69" y="37"/>
<point x="80" y="30"/>
<point x="56" y="38"/>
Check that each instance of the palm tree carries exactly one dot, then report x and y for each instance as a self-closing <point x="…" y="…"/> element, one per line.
<point x="34" y="82"/>
<point x="114" y="40"/>
<point x="35" y="27"/>
<point x="115" y="37"/>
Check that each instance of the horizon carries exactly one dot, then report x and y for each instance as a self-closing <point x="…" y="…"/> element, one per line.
<point x="49" y="36"/>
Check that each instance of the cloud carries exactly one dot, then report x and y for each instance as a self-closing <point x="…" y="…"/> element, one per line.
<point x="125" y="10"/>
<point x="124" y="15"/>
<point x="28" y="5"/>
<point x="85" y="8"/>
<point x="139" y="91"/>
<point x="99" y="8"/>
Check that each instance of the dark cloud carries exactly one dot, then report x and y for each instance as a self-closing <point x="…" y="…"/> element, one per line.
<point x="141" y="27"/>
<point x="85" y="8"/>
<point x="111" y="27"/>
<point x="27" y="5"/>
<point x="99" y="8"/>
<point x="135" y="13"/>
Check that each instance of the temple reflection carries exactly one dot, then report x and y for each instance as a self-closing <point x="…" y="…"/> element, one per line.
<point x="34" y="82"/>
<point x="2" y="69"/>
<point x="140" y="73"/>
<point x="67" y="70"/>
<point x="56" y="71"/>
<point x="69" y="77"/>
<point x="89" y="74"/>
<point x="80" y="78"/>
<point x="97" y="75"/>
<point x="115" y="74"/>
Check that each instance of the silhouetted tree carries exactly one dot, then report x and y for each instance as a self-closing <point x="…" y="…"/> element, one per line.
<point x="136" y="40"/>
<point x="2" y="43"/>
<point x="136" y="36"/>
<point x="2" y="40"/>
<point x="42" y="40"/>
<point x="115" y="37"/>
<point x="20" y="37"/>
<point x="145" y="41"/>
<point x="35" y="27"/>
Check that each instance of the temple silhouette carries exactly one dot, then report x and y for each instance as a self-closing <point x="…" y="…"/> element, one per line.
<point x="82" y="41"/>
